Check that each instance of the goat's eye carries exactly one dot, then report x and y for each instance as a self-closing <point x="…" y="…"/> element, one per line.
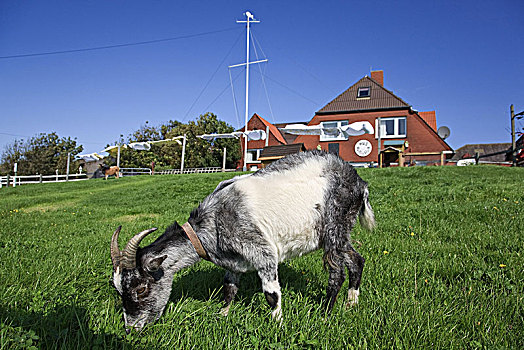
<point x="141" y="291"/>
<point x="152" y="268"/>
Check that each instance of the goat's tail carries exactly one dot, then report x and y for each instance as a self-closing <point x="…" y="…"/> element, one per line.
<point x="366" y="215"/>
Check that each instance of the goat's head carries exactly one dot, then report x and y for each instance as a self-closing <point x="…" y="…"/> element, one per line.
<point x="141" y="281"/>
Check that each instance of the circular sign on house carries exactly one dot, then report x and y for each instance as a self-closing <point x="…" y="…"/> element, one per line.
<point x="363" y="148"/>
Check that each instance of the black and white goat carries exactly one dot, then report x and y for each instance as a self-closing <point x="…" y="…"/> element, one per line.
<point x="296" y="205"/>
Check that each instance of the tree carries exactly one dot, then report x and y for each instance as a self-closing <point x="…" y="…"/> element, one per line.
<point x="12" y="154"/>
<point x="42" y="154"/>
<point x="199" y="153"/>
<point x="203" y="153"/>
<point x="139" y="159"/>
<point x="146" y="133"/>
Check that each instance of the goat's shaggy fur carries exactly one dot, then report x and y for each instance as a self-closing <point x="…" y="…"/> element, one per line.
<point x="296" y="205"/>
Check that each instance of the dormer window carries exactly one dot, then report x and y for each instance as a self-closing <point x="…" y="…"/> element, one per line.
<point x="364" y="92"/>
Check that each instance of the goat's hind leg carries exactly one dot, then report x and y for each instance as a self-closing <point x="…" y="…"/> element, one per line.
<point x="355" y="265"/>
<point x="354" y="262"/>
<point x="335" y="282"/>
<point x="230" y="290"/>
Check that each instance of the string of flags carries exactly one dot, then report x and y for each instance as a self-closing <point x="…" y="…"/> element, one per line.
<point x="353" y="129"/>
<point x="252" y="135"/>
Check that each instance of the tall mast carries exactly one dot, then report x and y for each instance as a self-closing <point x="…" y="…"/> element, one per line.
<point x="249" y="16"/>
<point x="250" y="19"/>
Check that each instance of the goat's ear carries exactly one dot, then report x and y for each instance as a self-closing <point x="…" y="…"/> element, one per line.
<point x="154" y="264"/>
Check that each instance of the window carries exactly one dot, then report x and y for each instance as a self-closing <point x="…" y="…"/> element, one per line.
<point x="402" y="126"/>
<point x="330" y="131"/>
<point x="333" y="148"/>
<point x="253" y="155"/>
<point x="392" y="127"/>
<point x="364" y="92"/>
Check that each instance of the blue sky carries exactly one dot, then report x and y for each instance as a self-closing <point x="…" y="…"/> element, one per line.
<point x="464" y="59"/>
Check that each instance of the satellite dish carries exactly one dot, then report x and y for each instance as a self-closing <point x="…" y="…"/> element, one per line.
<point x="443" y="132"/>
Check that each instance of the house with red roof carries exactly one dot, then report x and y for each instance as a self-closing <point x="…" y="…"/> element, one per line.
<point x="403" y="136"/>
<point x="273" y="138"/>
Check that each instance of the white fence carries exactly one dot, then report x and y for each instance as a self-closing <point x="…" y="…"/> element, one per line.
<point x="147" y="171"/>
<point x="191" y="171"/>
<point x="35" y="179"/>
<point x="135" y="171"/>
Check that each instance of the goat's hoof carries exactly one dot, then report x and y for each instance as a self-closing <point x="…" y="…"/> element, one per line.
<point x="350" y="304"/>
<point x="277" y="315"/>
<point x="352" y="297"/>
<point x="225" y="310"/>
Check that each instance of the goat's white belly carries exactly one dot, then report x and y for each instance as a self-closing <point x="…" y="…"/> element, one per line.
<point x="286" y="207"/>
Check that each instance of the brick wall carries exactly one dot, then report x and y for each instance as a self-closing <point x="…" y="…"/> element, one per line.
<point x="378" y="76"/>
<point x="420" y="136"/>
<point x="256" y="123"/>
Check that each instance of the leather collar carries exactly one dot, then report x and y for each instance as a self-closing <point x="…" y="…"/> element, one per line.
<point x="195" y="241"/>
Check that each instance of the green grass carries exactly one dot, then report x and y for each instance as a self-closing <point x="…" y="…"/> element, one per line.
<point x="444" y="268"/>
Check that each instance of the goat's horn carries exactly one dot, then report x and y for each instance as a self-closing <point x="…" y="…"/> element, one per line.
<point x="115" y="252"/>
<point x="129" y="252"/>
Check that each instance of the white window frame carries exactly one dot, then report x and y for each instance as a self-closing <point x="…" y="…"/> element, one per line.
<point x="396" y="134"/>
<point x="339" y="137"/>
<point x="257" y="155"/>
<point x="368" y="88"/>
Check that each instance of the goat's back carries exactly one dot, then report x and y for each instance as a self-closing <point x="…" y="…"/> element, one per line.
<point x="287" y="201"/>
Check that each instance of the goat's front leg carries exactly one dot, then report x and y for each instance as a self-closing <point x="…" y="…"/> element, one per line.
<point x="271" y="289"/>
<point x="230" y="290"/>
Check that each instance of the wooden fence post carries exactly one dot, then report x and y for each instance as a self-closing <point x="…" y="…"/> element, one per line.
<point x="7" y="181"/>
<point x="41" y="178"/>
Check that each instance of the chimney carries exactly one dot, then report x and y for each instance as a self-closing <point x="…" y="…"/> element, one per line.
<point x="378" y="76"/>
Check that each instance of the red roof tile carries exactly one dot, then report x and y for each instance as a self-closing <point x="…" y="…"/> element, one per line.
<point x="430" y="118"/>
<point x="273" y="129"/>
<point x="348" y="101"/>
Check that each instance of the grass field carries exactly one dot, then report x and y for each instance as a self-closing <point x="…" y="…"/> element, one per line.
<point x="444" y="269"/>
